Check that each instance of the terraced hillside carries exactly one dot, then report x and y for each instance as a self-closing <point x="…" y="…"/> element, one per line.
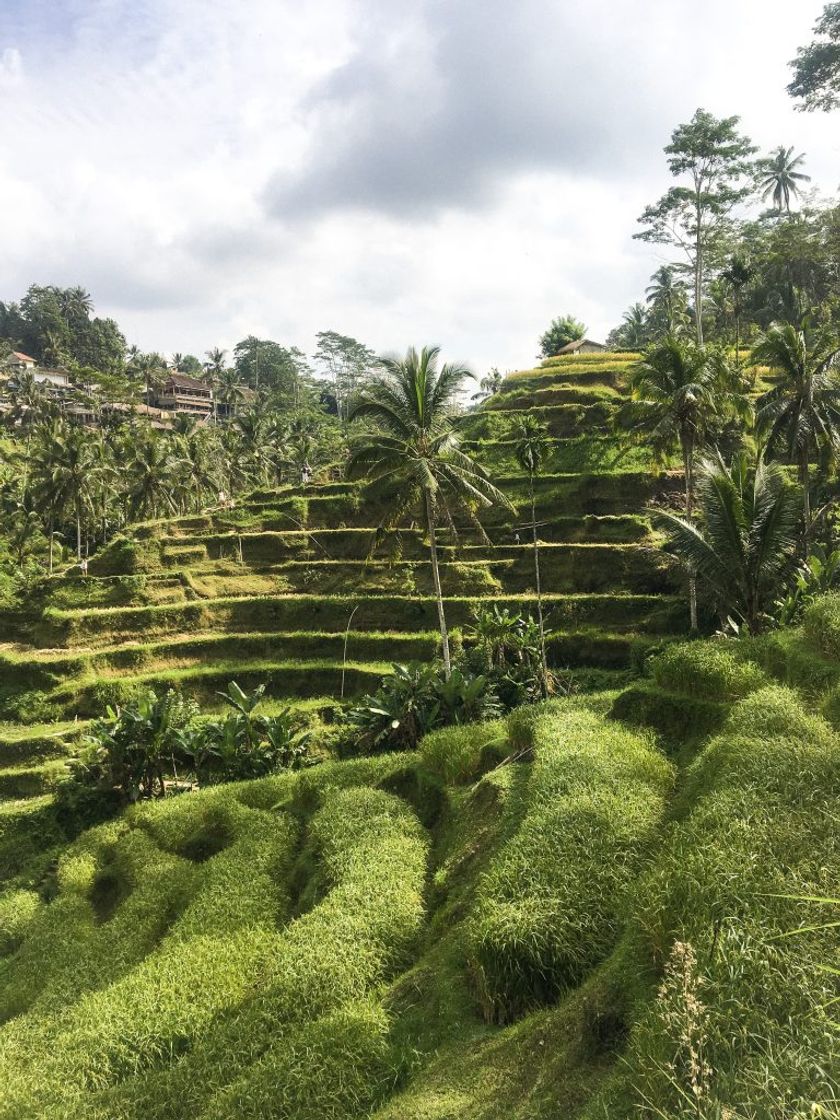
<point x="594" y="926"/>
<point x="282" y="589"/>
<point x="273" y="585"/>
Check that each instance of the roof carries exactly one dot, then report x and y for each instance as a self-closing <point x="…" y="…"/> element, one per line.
<point x="571" y="347"/>
<point x="181" y="381"/>
<point x="21" y="357"/>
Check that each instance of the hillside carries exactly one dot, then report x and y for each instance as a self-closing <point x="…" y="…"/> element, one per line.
<point x="278" y="587"/>
<point x="437" y="936"/>
<point x="615" y="903"/>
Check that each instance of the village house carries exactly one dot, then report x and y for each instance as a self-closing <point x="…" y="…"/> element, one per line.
<point x="180" y="393"/>
<point x="582" y="346"/>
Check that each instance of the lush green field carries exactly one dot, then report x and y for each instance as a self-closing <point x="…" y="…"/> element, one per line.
<point x="613" y="904"/>
<point x="589" y="928"/>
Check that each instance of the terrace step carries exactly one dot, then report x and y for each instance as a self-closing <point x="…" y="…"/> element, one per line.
<point x="25" y="780"/>
<point x="329" y="614"/>
<point x="283" y="679"/>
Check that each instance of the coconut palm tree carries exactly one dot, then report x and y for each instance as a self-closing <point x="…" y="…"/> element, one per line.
<point x="67" y="476"/>
<point x="746" y="543"/>
<point x="801" y="415"/>
<point x="149" y="474"/>
<point x="416" y="451"/>
<point x="680" y="392"/>
<point x="634" y="332"/>
<point x="530" y="448"/>
<point x="667" y="301"/>
<point x="152" y="366"/>
<point x="214" y="367"/>
<point x="737" y="275"/>
<point x="780" y="179"/>
<point x="230" y="390"/>
<point x="199" y="463"/>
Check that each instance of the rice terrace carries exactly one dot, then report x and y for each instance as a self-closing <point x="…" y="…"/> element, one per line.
<point x="385" y="736"/>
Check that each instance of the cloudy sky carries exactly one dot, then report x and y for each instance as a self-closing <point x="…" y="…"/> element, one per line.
<point x="456" y="171"/>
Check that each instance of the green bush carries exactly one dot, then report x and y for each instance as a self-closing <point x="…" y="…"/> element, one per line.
<point x="742" y="1021"/>
<point x="551" y="903"/>
<point x="822" y="625"/>
<point x="706" y="671"/>
<point x="457" y="754"/>
<point x="162" y="981"/>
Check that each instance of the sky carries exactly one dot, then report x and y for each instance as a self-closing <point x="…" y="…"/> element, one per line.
<point x="455" y="172"/>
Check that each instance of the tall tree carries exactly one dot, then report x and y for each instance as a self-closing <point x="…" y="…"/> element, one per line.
<point x="745" y="545"/>
<point x="680" y="393"/>
<point x="736" y="276"/>
<point x="633" y="333"/>
<point x="263" y="364"/>
<point x="489" y="385"/>
<point x="666" y="300"/>
<point x="801" y="415"/>
<point x="346" y="362"/>
<point x="68" y="480"/>
<point x="816" y="68"/>
<point x="531" y="447"/>
<point x="780" y="178"/>
<point x="416" y="451"/>
<point x="715" y="160"/>
<point x="563" y="330"/>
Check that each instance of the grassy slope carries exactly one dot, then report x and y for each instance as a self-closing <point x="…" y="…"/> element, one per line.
<point x="436" y="936"/>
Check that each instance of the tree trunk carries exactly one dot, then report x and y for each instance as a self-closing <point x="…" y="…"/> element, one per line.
<point x="688" y="468"/>
<point x="737" y="334"/>
<point x="444" y="633"/>
<point x="52" y="529"/>
<point x="698" y="279"/>
<point x="543" y="658"/>
<point x="804" y="480"/>
<point x="78" y="535"/>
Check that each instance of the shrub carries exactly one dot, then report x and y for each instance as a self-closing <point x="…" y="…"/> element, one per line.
<point x="457" y="754"/>
<point x="707" y="671"/>
<point x="732" y="883"/>
<point x="182" y="992"/>
<point x="416" y="699"/>
<point x="822" y="625"/>
<point x="550" y="905"/>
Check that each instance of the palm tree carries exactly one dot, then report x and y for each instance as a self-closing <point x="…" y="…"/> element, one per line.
<point x="214" y="368"/>
<point x="667" y="301"/>
<point x="746" y="544"/>
<point x="200" y="464"/>
<point x="488" y="385"/>
<point x="681" y="391"/>
<point x="737" y="275"/>
<point x="634" y="331"/>
<point x="153" y="368"/>
<point x="230" y="390"/>
<point x="67" y="476"/>
<point x="530" y="448"/>
<point x="801" y="415"/>
<point x="149" y="476"/>
<point x="30" y="406"/>
<point x="417" y="451"/>
<point x="781" y="179"/>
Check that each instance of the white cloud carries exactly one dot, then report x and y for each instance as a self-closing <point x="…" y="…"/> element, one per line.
<point x="456" y="173"/>
<point x="11" y="68"/>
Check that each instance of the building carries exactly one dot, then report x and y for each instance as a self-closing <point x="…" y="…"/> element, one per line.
<point x="56" y="381"/>
<point x="17" y="361"/>
<point x="52" y="378"/>
<point x="582" y="346"/>
<point x="180" y="393"/>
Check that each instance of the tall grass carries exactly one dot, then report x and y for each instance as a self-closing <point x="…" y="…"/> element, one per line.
<point x="550" y="905"/>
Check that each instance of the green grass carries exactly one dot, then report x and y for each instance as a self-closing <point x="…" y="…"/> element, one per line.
<point x="549" y="907"/>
